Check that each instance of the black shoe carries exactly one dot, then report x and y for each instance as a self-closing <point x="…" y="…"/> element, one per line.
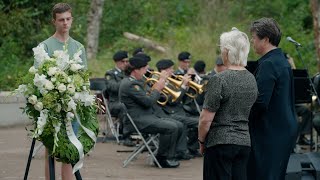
<point x="304" y="141"/>
<point x="183" y="156"/>
<point x="168" y="163"/>
<point x="128" y="142"/>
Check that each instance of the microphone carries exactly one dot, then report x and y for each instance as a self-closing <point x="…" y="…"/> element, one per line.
<point x="293" y="41"/>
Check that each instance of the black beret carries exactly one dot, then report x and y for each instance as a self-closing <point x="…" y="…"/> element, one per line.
<point x="143" y="56"/>
<point x="164" y="64"/>
<point x="137" y="51"/>
<point x="137" y="62"/>
<point x="184" y="55"/>
<point x="118" y="56"/>
<point x="199" y="66"/>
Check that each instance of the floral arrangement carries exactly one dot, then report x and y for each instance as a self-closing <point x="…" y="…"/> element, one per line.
<point x="58" y="97"/>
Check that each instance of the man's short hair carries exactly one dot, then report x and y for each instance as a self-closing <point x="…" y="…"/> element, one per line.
<point x="267" y="27"/>
<point x="60" y="8"/>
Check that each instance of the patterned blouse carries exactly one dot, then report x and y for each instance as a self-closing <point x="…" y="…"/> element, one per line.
<point x="231" y="95"/>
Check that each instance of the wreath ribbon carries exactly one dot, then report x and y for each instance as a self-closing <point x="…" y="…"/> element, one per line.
<point x="74" y="140"/>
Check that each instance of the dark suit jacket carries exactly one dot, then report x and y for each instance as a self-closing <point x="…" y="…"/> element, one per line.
<point x="273" y="124"/>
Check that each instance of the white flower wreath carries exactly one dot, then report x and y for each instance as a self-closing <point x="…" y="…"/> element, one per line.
<point x="57" y="93"/>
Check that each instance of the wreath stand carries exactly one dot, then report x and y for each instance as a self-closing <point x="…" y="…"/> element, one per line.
<point x="51" y="165"/>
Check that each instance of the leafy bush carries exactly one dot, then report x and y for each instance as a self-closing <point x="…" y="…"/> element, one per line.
<point x="178" y="25"/>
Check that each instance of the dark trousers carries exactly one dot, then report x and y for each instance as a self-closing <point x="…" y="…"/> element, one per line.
<point x="170" y="132"/>
<point x="306" y="122"/>
<point x="226" y="162"/>
<point x="192" y="125"/>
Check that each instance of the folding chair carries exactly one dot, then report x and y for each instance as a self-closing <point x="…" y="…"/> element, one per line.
<point x="114" y="125"/>
<point x="98" y="85"/>
<point x="152" y="138"/>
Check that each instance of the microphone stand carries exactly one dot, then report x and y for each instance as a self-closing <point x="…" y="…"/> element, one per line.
<point x="313" y="89"/>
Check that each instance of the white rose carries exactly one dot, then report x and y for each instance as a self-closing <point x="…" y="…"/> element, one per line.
<point x="43" y="91"/>
<point x="22" y="90"/>
<point x="71" y="88"/>
<point x="39" y="80"/>
<point x="88" y="99"/>
<point x="75" y="67"/>
<point x="33" y="99"/>
<point x="49" y="85"/>
<point x="70" y="115"/>
<point x="62" y="88"/>
<point x="76" y="96"/>
<point x="33" y="70"/>
<point x="38" y="106"/>
<point x="53" y="79"/>
<point x="52" y="71"/>
<point x="69" y="80"/>
<point x="72" y="105"/>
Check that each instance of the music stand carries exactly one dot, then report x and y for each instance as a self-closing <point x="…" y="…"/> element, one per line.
<point x="302" y="86"/>
<point x="297" y="45"/>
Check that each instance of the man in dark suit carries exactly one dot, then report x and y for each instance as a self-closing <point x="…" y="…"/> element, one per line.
<point x="139" y="104"/>
<point x="273" y="125"/>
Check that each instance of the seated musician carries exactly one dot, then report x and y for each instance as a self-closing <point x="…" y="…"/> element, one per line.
<point x="113" y="79"/>
<point x="184" y="63"/>
<point x="175" y="109"/>
<point x="139" y="104"/>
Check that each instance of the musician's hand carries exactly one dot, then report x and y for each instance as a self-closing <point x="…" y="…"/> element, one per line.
<point x="159" y="85"/>
<point x="164" y="75"/>
<point x="185" y="80"/>
<point x="191" y="71"/>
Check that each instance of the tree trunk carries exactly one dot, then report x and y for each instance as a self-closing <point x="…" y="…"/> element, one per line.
<point x="94" y="17"/>
<point x="316" y="25"/>
<point x="146" y="42"/>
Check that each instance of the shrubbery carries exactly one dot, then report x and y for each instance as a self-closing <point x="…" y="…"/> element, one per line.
<point x="178" y="25"/>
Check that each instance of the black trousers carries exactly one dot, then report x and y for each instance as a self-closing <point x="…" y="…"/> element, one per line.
<point x="226" y="162"/>
<point x="170" y="132"/>
<point x="306" y="122"/>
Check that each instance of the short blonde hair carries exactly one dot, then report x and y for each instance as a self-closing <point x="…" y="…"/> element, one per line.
<point x="237" y="44"/>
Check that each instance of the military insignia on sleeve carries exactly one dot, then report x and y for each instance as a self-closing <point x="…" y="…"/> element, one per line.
<point x="108" y="77"/>
<point x="137" y="87"/>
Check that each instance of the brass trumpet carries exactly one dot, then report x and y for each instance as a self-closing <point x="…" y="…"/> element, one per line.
<point x="165" y="91"/>
<point x="176" y="83"/>
<point x="198" y="88"/>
